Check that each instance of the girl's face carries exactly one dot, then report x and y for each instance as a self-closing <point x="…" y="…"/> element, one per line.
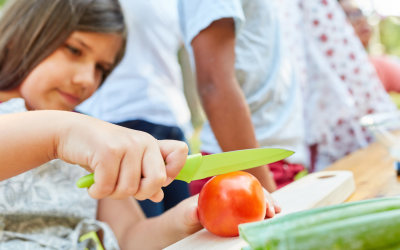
<point x="72" y="73"/>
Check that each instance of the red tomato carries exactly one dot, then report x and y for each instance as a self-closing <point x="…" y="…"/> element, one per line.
<point x="229" y="200"/>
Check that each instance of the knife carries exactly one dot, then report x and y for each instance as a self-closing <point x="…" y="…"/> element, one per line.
<point x="199" y="167"/>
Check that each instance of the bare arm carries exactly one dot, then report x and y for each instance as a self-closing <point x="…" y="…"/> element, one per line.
<point x="125" y="162"/>
<point x="221" y="95"/>
<point x="28" y="140"/>
<point x="134" y="231"/>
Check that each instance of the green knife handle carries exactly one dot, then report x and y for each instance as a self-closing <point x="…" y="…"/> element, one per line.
<point x="85" y="181"/>
<point x="193" y="162"/>
<point x="186" y="174"/>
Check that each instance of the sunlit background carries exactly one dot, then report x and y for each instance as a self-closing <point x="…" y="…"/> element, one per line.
<point x="383" y="7"/>
<point x="384" y="17"/>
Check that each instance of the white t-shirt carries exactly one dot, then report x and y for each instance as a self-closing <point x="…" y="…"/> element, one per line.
<point x="262" y="69"/>
<point x="147" y="84"/>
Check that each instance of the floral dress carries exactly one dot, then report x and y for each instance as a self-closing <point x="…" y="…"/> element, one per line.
<point x="339" y="83"/>
<point x="43" y="208"/>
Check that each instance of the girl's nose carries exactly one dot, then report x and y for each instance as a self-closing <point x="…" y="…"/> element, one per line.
<point x="85" y="76"/>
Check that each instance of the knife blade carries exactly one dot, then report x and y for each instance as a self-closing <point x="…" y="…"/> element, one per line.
<point x="199" y="167"/>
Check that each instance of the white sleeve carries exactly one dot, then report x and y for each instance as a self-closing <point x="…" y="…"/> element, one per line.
<point x="196" y="15"/>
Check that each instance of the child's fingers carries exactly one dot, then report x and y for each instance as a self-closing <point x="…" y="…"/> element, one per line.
<point x="191" y="221"/>
<point x="270" y="205"/>
<point x="150" y="186"/>
<point x="153" y="171"/>
<point x="278" y="208"/>
<point x="157" y="197"/>
<point x="106" y="169"/>
<point x="129" y="174"/>
<point x="87" y="168"/>
<point x="174" y="154"/>
<point x="270" y="211"/>
<point x="193" y="216"/>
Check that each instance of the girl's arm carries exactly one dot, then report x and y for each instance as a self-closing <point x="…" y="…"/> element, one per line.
<point x="27" y="140"/>
<point x="134" y="231"/>
<point x="125" y="162"/>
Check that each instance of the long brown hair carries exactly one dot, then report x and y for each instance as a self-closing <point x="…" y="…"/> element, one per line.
<point x="30" y="30"/>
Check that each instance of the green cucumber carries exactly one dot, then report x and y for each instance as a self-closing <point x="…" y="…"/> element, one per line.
<point x="254" y="232"/>
<point x="258" y="234"/>
<point x="367" y="232"/>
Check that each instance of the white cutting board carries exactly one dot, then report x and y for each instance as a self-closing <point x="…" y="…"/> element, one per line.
<point x="314" y="190"/>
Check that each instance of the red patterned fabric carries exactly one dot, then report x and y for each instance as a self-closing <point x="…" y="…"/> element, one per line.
<point x="283" y="172"/>
<point x="339" y="83"/>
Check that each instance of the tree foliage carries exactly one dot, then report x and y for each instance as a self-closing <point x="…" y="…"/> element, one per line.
<point x="390" y="35"/>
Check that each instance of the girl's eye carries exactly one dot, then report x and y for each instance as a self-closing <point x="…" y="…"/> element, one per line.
<point x="103" y="70"/>
<point x="73" y="50"/>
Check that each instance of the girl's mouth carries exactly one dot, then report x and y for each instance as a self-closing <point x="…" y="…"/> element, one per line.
<point x="72" y="99"/>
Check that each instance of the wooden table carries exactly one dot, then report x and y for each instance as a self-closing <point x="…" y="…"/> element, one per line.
<point x="373" y="172"/>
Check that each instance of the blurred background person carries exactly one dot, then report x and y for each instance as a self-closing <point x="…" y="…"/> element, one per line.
<point x="387" y="67"/>
<point x="339" y="84"/>
<point x="245" y="82"/>
<point x="145" y="91"/>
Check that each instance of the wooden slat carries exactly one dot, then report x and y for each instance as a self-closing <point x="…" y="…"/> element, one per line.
<point x="373" y="172"/>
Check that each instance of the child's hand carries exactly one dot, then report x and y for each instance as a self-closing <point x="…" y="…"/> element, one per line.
<point x="186" y="221"/>
<point x="184" y="218"/>
<point x="125" y="162"/>
<point x="272" y="206"/>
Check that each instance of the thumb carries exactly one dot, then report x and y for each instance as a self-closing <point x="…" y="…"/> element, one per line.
<point x="192" y="217"/>
<point x="174" y="154"/>
<point x="192" y="221"/>
<point x="187" y="211"/>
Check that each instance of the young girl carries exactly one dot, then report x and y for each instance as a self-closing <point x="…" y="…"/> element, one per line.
<point x="54" y="218"/>
<point x="54" y="55"/>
